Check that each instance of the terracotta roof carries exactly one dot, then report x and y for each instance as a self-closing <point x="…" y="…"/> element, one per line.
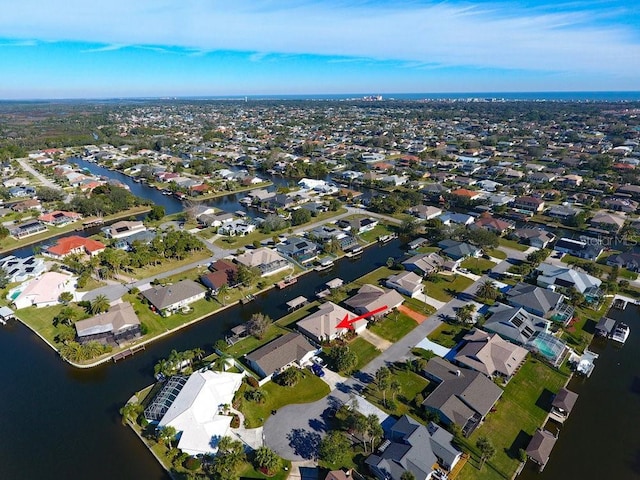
<point x="66" y="245"/>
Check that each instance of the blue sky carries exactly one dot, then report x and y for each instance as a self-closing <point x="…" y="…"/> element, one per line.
<point x="124" y="48"/>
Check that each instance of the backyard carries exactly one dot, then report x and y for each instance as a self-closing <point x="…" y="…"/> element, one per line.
<point x="444" y="287"/>
<point x="394" y="326"/>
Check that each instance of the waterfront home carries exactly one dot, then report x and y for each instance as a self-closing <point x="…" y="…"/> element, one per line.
<point x="168" y="299"/>
<point x="320" y="326"/>
<point x="529" y="204"/>
<point x="533" y="236"/>
<point x="123" y="229"/>
<point x="290" y="350"/>
<point x="607" y="221"/>
<point x="75" y="244"/>
<point x="566" y="277"/>
<point x="490" y="354"/>
<point x="26" y="229"/>
<point x="424" y="263"/>
<point x="198" y="412"/>
<point x="371" y="297"/>
<point x="459" y="250"/>
<point x="406" y="283"/>
<point x="58" y="218"/>
<point x="265" y="259"/>
<point x="536" y="300"/>
<point x="619" y="204"/>
<point x="563" y="212"/>
<point x="300" y="249"/>
<point x="540" y="447"/>
<point x="629" y="260"/>
<point x="415" y="448"/>
<point x="120" y="324"/>
<point x="20" y="269"/>
<point x="579" y="248"/>
<point x="215" y="280"/>
<point x="462" y="396"/>
<point x="43" y="291"/>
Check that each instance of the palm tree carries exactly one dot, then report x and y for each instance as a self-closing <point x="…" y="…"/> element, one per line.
<point x="130" y="412"/>
<point x="99" y="304"/>
<point x="487" y="450"/>
<point x="488" y="290"/>
<point x="383" y="378"/>
<point x="167" y="434"/>
<point x="267" y="459"/>
<point x="223" y="290"/>
<point x="220" y="363"/>
<point x="65" y="297"/>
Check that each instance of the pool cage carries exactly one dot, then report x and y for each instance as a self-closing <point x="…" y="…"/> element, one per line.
<point x="552" y="348"/>
<point x="165" y="398"/>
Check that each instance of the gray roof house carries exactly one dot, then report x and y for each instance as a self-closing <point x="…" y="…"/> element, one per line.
<point x="406" y="283"/>
<point x="119" y="324"/>
<point x="514" y="323"/>
<point x="533" y="236"/>
<point x="490" y="354"/>
<point x="415" y="448"/>
<point x="371" y="297"/>
<point x="458" y="250"/>
<point x="281" y="353"/>
<point x="566" y="277"/>
<point x="20" y="269"/>
<point x="321" y="325"/>
<point x="629" y="260"/>
<point x="300" y="249"/>
<point x="167" y="299"/>
<point x="463" y="396"/>
<point x="536" y="300"/>
<point x="424" y="263"/>
<point x="266" y="259"/>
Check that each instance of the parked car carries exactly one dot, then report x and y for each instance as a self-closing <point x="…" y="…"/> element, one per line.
<point x="317" y="370"/>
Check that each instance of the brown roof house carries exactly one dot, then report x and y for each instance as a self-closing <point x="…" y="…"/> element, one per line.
<point x="320" y="326"/>
<point x="371" y="297"/>
<point x="291" y="349"/>
<point x="120" y="324"/>
<point x="489" y="354"/>
<point x="563" y="403"/>
<point x="268" y="261"/>
<point x="540" y="447"/>
<point x="463" y="396"/>
<point x="171" y="298"/>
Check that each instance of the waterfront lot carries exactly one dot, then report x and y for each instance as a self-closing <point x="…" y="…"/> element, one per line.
<point x="445" y="287"/>
<point x="521" y="410"/>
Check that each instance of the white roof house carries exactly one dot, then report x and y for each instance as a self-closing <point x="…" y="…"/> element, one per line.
<point x="195" y="413"/>
<point x="43" y="291"/>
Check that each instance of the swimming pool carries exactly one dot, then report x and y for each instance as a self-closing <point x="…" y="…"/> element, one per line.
<point x="549" y="346"/>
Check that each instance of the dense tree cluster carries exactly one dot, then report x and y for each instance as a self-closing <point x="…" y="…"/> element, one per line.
<point x="104" y="200"/>
<point x="399" y="201"/>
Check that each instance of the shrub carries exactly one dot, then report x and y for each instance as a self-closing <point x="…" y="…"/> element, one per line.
<point x="235" y="421"/>
<point x="252" y="382"/>
<point x="192" y="463"/>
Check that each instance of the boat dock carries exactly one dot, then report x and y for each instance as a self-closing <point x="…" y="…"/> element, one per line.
<point x="296" y="303"/>
<point x="247" y="299"/>
<point x="584" y="364"/>
<point x="127" y="353"/>
<point x="620" y="302"/>
<point x="286" y="282"/>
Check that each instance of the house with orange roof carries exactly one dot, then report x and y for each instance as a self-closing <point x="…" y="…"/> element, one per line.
<point x="464" y="193"/>
<point x="59" y="217"/>
<point x="75" y="244"/>
<point x="88" y="187"/>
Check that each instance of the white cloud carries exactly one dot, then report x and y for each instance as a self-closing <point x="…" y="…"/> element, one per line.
<point x="488" y="36"/>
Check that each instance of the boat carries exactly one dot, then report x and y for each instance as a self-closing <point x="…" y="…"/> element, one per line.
<point x="286" y="282"/>
<point x="620" y="333"/>
<point x="324" y="264"/>
<point x="387" y="238"/>
<point x="247" y="299"/>
<point x="353" y="252"/>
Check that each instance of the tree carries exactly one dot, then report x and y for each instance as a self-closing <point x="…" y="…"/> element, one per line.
<point x="99" y="304"/>
<point x="47" y="194"/>
<point x="248" y="276"/>
<point x="229" y="457"/>
<point x="258" y="324"/>
<point x="488" y="290"/>
<point x="255" y="395"/>
<point x="487" y="450"/>
<point x="465" y="314"/>
<point x="157" y="213"/>
<point x="334" y="447"/>
<point x="221" y="293"/>
<point x="408" y="227"/>
<point x="383" y="380"/>
<point x="267" y="459"/>
<point x="300" y="216"/>
<point x="166" y="435"/>
<point x="130" y="412"/>
<point x="4" y="232"/>
<point x="65" y="316"/>
<point x="289" y="377"/>
<point x="342" y="358"/>
<point x="407" y="475"/>
<point x="65" y="297"/>
<point x="374" y="430"/>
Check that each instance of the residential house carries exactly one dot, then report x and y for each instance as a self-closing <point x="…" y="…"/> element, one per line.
<point x="490" y="354"/>
<point x="494" y="225"/>
<point x="26" y="205"/>
<point x="320" y="326"/>
<point x="629" y="260"/>
<point x="42" y="291"/>
<point x="459" y="250"/>
<point x="120" y="324"/>
<point x="26" y="229"/>
<point x="424" y="263"/>
<point x="540" y="447"/>
<point x="571" y="180"/>
<point x="20" y="269"/>
<point x="236" y="228"/>
<point x="579" y="248"/>
<point x="58" y="218"/>
<point x="566" y="277"/>
<point x="291" y="349"/>
<point x="123" y="229"/>
<point x="563" y="212"/>
<point x="538" y="301"/>
<point x="143" y="237"/>
<point x="75" y="244"/>
<point x="300" y="249"/>
<point x="415" y="448"/>
<point x="228" y="267"/>
<point x="371" y="297"/>
<point x="22" y="191"/>
<point x="466" y="194"/>
<point x="265" y="259"/>
<point x="167" y="299"/>
<point x="618" y="204"/>
<point x="215" y="219"/>
<point x="214" y="281"/>
<point x="425" y="212"/>
<point x="462" y="396"/>
<point x="448" y="218"/>
<point x="407" y="283"/>
<point x="533" y="236"/>
<point x="607" y="221"/>
<point x="529" y="204"/>
<point x="198" y="411"/>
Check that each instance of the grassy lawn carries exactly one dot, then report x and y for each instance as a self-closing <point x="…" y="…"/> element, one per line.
<point x="512" y="244"/>
<point x="250" y="343"/>
<point x="497" y="253"/>
<point x="380" y="229"/>
<point x="448" y="335"/>
<point x="375" y="277"/>
<point x="477" y="265"/>
<point x="434" y="249"/>
<point x="394" y="326"/>
<point x="418" y="306"/>
<point x="364" y="350"/>
<point x="167" y="265"/>
<point x="308" y="389"/>
<point x="443" y="287"/>
<point x="297" y="314"/>
<point x="411" y="384"/>
<point x="91" y="284"/>
<point x="247" y="471"/>
<point x="522" y="408"/>
<point x="41" y="319"/>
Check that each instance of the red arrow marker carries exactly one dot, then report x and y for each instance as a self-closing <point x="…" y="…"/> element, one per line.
<point x="348" y="323"/>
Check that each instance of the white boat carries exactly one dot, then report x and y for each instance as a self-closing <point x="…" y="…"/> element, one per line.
<point x="324" y="264"/>
<point x="620" y="333"/>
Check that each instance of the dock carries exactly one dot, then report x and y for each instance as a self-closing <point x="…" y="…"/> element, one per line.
<point x="246" y="299"/>
<point x="6" y="314"/>
<point x="127" y="353"/>
<point x="286" y="282"/>
<point x="584" y="364"/>
<point x="296" y="303"/>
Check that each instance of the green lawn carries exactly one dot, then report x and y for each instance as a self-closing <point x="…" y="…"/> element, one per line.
<point x="522" y="408"/>
<point x="497" y="253"/>
<point x="251" y="343"/>
<point x="167" y="265"/>
<point x="91" y="284"/>
<point x="394" y="326"/>
<point x="308" y="389"/>
<point x="448" y="335"/>
<point x="411" y="384"/>
<point x="41" y="319"/>
<point x="443" y="287"/>
<point x="418" y="306"/>
<point x="512" y="244"/>
<point x="477" y="265"/>
<point x="364" y="350"/>
<point x="375" y="276"/>
<point x="247" y="471"/>
<point x="379" y="230"/>
<point x="297" y="314"/>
